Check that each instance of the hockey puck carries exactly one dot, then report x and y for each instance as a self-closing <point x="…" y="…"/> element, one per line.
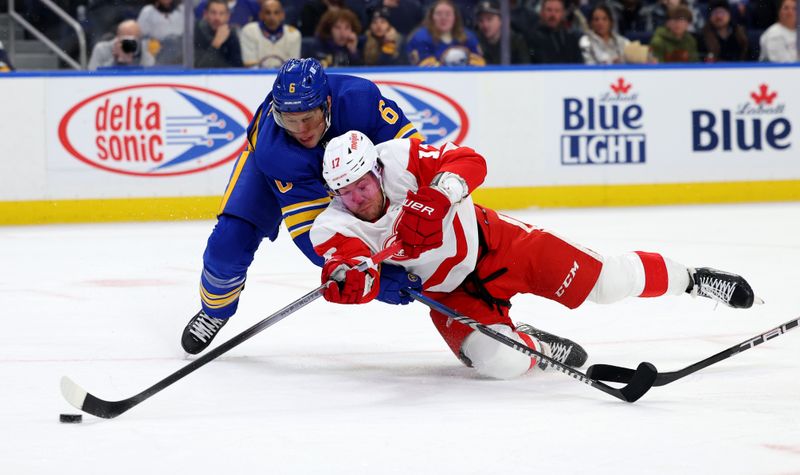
<point x="70" y="418"/>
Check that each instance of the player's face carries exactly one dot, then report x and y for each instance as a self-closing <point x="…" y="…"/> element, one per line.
<point x="306" y="127"/>
<point x="364" y="198"/>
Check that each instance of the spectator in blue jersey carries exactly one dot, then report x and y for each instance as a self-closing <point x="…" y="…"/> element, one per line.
<point x="337" y="39"/>
<point x="442" y="39"/>
<point x="5" y="63"/>
<point x="279" y="178"/>
<point x="242" y="11"/>
<point x="216" y="45"/>
<point x="551" y="41"/>
<point x="383" y="45"/>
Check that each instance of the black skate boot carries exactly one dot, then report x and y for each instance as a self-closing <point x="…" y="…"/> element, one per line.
<point x="560" y="349"/>
<point x="730" y="289"/>
<point x="200" y="331"/>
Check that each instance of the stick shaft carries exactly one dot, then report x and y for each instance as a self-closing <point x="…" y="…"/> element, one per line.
<point x="110" y="409"/>
<point x="621" y="374"/>
<point x="636" y="388"/>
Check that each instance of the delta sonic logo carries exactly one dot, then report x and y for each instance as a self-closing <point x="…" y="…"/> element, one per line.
<point x="155" y="130"/>
<point x="435" y="115"/>
<point x="757" y="124"/>
<point x="603" y="130"/>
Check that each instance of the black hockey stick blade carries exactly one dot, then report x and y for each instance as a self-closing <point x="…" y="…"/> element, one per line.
<point x="619" y="374"/>
<point x="640" y="382"/>
<point x="613" y="374"/>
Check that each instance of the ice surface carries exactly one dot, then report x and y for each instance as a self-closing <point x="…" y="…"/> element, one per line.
<point x="372" y="389"/>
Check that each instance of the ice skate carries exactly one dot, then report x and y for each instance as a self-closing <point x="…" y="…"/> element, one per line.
<point x="730" y="289"/>
<point x="199" y="332"/>
<point x="560" y="349"/>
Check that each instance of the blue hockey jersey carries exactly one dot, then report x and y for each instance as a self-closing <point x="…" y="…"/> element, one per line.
<point x="424" y="50"/>
<point x="277" y="179"/>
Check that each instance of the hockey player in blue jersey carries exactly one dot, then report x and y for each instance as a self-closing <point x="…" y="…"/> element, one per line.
<point x="279" y="178"/>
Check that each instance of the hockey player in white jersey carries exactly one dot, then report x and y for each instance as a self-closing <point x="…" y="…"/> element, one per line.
<point x="472" y="258"/>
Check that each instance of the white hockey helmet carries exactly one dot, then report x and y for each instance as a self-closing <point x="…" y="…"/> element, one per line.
<point x="349" y="157"/>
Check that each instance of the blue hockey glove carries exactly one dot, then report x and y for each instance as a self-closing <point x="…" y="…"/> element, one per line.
<point x="393" y="280"/>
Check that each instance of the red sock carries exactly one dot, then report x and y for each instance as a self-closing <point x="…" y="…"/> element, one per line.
<point x="656" y="279"/>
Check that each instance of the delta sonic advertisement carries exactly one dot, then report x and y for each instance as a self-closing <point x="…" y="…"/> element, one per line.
<point x="147" y="131"/>
<point x="604" y="129"/>
<point x="154" y="130"/>
<point x="161" y="136"/>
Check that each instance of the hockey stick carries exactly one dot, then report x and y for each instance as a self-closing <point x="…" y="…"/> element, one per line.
<point x="619" y="374"/>
<point x="640" y="382"/>
<point x="90" y="404"/>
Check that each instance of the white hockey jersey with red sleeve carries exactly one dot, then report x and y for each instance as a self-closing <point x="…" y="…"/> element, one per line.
<point x="409" y="164"/>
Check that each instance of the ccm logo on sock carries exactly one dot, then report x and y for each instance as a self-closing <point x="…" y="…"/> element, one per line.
<point x="568" y="279"/>
<point x="416" y="206"/>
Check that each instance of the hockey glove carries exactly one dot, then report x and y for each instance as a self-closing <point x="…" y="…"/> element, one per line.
<point x="350" y="285"/>
<point x="393" y="280"/>
<point x="420" y="224"/>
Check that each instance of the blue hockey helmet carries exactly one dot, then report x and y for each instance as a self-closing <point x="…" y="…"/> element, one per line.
<point x="301" y="85"/>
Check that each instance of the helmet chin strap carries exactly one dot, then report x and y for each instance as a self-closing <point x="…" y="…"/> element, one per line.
<point x="378" y="171"/>
<point x="326" y="111"/>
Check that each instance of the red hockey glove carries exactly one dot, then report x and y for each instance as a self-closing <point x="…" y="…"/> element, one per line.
<point x="420" y="224"/>
<point x="350" y="285"/>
